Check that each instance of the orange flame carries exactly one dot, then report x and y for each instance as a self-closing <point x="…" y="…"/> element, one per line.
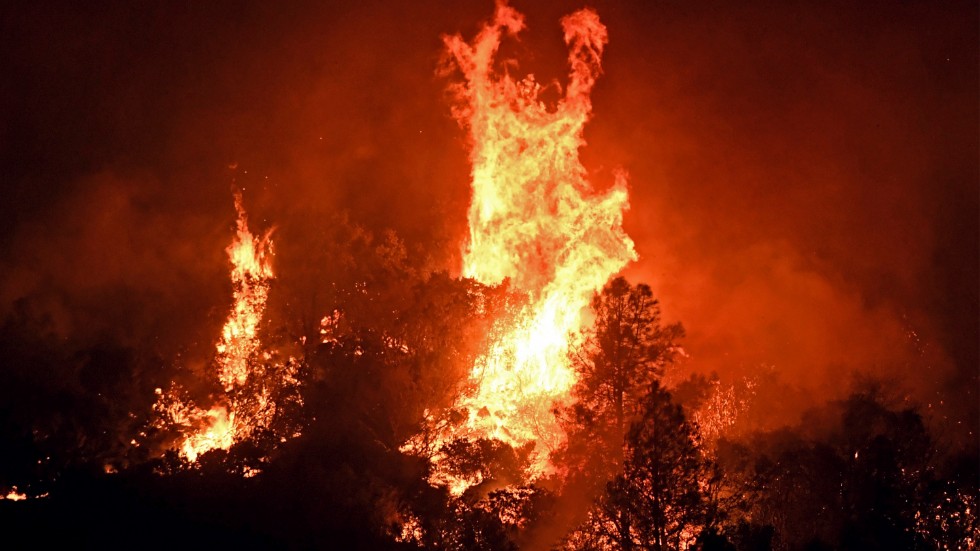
<point x="536" y="220"/>
<point x="250" y="275"/>
<point x="246" y="404"/>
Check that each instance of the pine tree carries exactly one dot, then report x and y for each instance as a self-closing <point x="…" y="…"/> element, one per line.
<point x="629" y="444"/>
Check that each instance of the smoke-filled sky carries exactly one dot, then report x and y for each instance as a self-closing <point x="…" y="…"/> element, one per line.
<point x="803" y="176"/>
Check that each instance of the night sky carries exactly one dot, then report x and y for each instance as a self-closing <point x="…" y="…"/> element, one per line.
<point x="803" y="176"/>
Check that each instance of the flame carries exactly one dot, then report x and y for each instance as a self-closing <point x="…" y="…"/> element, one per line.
<point x="219" y="432"/>
<point x="246" y="403"/>
<point x="535" y="220"/>
<point x="250" y="276"/>
<point x="13" y="495"/>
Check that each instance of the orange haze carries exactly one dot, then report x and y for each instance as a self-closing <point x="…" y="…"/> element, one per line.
<point x="803" y="177"/>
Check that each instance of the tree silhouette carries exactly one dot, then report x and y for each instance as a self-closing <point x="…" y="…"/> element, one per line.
<point x="656" y="501"/>
<point x="620" y="357"/>
<point x="629" y="447"/>
<point x="856" y="474"/>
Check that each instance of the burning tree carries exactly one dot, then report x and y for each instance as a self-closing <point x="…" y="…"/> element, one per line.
<point x="537" y="226"/>
<point x="536" y="221"/>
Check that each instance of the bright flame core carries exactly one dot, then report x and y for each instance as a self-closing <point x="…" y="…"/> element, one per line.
<point x="535" y="220"/>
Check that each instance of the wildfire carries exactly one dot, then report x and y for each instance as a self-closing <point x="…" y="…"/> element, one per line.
<point x="535" y="220"/>
<point x="249" y="379"/>
<point x="13" y="495"/>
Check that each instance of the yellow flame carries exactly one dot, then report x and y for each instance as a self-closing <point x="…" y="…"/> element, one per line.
<point x="536" y="220"/>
